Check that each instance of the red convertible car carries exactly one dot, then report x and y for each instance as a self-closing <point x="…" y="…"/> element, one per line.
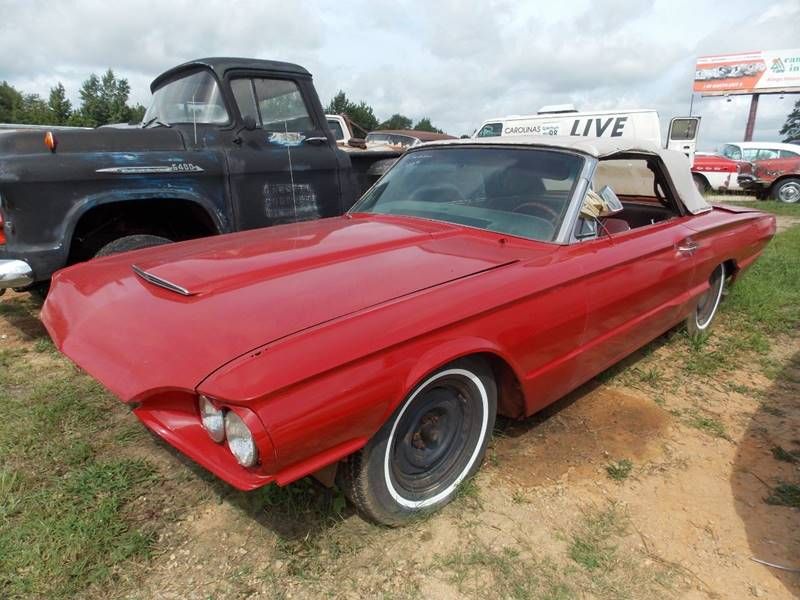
<point x="477" y="277"/>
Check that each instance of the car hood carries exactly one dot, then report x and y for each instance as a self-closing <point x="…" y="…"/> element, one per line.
<point x="196" y="305"/>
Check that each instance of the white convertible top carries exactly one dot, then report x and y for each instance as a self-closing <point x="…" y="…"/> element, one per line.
<point x="677" y="164"/>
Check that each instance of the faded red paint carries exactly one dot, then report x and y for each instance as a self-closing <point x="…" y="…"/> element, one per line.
<point x="315" y="332"/>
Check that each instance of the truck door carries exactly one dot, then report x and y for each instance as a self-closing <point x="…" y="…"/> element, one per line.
<point x="285" y="169"/>
<point x="682" y="135"/>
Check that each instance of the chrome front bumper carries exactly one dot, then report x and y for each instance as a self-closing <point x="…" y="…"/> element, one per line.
<point x="15" y="274"/>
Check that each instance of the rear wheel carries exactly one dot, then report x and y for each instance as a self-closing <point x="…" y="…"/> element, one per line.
<point x="433" y="442"/>
<point x="131" y="242"/>
<point x="787" y="191"/>
<point x="699" y="322"/>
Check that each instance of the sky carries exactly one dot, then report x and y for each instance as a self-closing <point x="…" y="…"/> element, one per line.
<point x="457" y="63"/>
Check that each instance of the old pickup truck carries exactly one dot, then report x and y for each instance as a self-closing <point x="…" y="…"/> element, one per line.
<point x="227" y="144"/>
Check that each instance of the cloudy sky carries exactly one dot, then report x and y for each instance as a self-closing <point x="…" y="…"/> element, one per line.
<point x="455" y="62"/>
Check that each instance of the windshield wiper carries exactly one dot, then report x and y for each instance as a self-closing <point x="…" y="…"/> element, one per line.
<point x="155" y="120"/>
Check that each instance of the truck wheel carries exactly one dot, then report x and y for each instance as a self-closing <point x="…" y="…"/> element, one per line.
<point x="701" y="184"/>
<point x="433" y="442"/>
<point x="131" y="242"/>
<point x="787" y="191"/>
<point x="699" y="322"/>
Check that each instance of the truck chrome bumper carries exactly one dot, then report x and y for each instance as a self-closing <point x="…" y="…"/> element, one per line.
<point x="15" y="274"/>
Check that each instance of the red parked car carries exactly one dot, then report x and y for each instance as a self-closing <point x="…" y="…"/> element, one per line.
<point x="720" y="172"/>
<point x="777" y="178"/>
<point x="477" y="277"/>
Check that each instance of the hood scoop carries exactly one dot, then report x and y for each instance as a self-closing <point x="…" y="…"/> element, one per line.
<point x="161" y="282"/>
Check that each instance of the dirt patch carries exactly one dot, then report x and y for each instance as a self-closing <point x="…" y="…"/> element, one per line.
<point x="575" y="438"/>
<point x="784" y="222"/>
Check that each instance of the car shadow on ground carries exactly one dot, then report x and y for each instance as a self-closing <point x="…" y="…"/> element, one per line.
<point x="766" y="478"/>
<point x="21" y="312"/>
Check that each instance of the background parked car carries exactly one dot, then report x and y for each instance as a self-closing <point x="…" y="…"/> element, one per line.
<point x="719" y="172"/>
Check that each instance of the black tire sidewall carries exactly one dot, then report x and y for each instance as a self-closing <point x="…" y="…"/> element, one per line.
<point x="379" y="497"/>
<point x="131" y="242"/>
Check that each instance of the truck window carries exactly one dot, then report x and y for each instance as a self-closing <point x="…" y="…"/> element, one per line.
<point x="683" y="129"/>
<point x="245" y="98"/>
<point x="281" y="106"/>
<point x="336" y="128"/>
<point x="491" y="130"/>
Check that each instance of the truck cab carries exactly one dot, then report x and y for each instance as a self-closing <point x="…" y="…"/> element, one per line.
<point x="226" y="144"/>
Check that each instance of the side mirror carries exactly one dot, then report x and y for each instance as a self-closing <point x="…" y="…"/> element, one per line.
<point x="600" y="205"/>
<point x="613" y="203"/>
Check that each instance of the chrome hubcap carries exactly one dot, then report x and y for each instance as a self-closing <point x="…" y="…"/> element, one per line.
<point x="789" y="192"/>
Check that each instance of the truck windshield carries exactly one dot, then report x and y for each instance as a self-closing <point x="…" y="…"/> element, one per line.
<point x="520" y="192"/>
<point x="192" y="99"/>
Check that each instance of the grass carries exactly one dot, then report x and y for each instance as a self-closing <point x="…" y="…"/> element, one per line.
<point x="781" y="454"/>
<point x="64" y="498"/>
<point x="706" y="424"/>
<point x="784" y="494"/>
<point x="772" y="206"/>
<point x="598" y="563"/>
<point x="619" y="470"/>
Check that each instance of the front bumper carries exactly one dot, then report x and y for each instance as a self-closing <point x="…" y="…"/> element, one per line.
<point x="15" y="274"/>
<point x="749" y="182"/>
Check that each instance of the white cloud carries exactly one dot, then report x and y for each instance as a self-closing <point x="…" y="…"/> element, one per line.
<point x="455" y="62"/>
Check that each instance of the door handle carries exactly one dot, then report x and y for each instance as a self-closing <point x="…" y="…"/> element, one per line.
<point x="316" y="140"/>
<point x="687" y="247"/>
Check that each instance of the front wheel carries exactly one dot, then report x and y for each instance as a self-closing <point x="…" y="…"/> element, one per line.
<point x="434" y="441"/>
<point x="131" y="242"/>
<point x="787" y="191"/>
<point x="699" y="322"/>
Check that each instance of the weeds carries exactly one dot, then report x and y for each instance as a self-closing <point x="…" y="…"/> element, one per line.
<point x="789" y="456"/>
<point x="709" y="425"/>
<point x="784" y="494"/>
<point x="619" y="470"/>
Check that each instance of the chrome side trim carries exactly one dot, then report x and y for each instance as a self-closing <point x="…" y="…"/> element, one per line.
<point x="167" y="285"/>
<point x="15" y="274"/>
<point x="153" y="169"/>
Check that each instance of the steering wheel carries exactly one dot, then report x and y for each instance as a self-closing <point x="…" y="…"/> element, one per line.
<point x="552" y="215"/>
<point x="440" y="192"/>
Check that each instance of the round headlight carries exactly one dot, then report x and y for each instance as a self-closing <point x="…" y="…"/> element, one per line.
<point x="213" y="419"/>
<point x="240" y="440"/>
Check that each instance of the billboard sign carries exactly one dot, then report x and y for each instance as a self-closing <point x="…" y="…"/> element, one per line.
<point x="764" y="71"/>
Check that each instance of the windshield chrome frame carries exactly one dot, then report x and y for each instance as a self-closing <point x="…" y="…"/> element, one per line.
<point x="564" y="233"/>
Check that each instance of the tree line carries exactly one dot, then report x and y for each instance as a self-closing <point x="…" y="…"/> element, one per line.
<point x="363" y="115"/>
<point x="104" y="100"/>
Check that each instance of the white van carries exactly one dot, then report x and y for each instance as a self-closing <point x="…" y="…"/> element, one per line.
<point x="565" y="119"/>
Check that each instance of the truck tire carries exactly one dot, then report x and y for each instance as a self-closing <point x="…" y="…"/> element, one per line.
<point x="787" y="191"/>
<point x="433" y="442"/>
<point x="131" y="242"/>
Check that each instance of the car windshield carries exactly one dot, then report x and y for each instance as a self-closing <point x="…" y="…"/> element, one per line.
<point x="523" y="192"/>
<point x="732" y="152"/>
<point x="192" y="99"/>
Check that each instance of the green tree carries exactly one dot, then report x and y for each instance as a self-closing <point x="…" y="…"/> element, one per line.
<point x="791" y="128"/>
<point x="10" y="103"/>
<point x="104" y="100"/>
<point x="425" y="124"/>
<point x="361" y="114"/>
<point x="35" y="111"/>
<point x="60" y="107"/>
<point x="396" y="121"/>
